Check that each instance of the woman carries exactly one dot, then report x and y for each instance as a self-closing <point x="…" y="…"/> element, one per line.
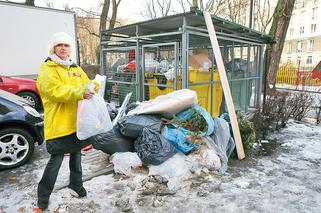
<point x="61" y="84"/>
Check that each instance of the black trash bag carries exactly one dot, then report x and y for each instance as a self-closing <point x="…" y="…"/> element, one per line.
<point x="153" y="148"/>
<point x="111" y="142"/>
<point x="112" y="111"/>
<point x="130" y="106"/>
<point x="132" y="126"/>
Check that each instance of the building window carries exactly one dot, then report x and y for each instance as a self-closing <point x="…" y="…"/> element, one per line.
<point x="302" y="30"/>
<point x="314" y="12"/>
<point x="299" y="46"/>
<point x="309" y="60"/>
<point x="289" y="49"/>
<point x="310" y="45"/>
<point x="291" y="31"/>
<point x="313" y="28"/>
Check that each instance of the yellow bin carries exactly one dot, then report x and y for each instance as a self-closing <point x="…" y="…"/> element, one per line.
<point x="203" y="91"/>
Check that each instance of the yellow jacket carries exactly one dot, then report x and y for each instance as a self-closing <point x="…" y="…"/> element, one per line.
<point x="60" y="89"/>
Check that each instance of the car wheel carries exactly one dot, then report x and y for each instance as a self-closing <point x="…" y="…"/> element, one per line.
<point x="16" y="147"/>
<point x="32" y="98"/>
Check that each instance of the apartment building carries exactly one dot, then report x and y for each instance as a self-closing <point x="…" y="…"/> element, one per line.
<point x="303" y="39"/>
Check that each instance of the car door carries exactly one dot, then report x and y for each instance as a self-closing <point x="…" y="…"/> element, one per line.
<point x="8" y="85"/>
<point x="1" y="83"/>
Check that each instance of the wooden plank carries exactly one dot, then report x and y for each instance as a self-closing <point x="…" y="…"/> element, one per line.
<point x="225" y="85"/>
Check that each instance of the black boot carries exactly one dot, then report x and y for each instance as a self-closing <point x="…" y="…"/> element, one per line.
<point x="43" y="204"/>
<point x="81" y="191"/>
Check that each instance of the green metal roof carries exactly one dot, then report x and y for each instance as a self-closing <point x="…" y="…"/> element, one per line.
<point x="193" y="18"/>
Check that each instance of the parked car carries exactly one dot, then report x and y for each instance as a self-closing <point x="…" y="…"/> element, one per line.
<point x="23" y="87"/>
<point x="21" y="126"/>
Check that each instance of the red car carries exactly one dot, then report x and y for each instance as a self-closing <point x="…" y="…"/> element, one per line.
<point x="23" y="87"/>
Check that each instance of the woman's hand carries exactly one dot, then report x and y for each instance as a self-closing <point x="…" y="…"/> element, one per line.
<point x="88" y="94"/>
<point x="96" y="89"/>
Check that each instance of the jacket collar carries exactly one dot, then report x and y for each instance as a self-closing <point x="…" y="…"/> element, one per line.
<point x="52" y="63"/>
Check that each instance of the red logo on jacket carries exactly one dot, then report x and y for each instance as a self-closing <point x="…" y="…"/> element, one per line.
<point x="76" y="74"/>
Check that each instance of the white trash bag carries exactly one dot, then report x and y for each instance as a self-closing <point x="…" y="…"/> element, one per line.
<point x="125" y="161"/>
<point x="92" y="117"/>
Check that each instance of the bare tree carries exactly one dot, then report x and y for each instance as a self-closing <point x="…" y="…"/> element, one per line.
<point x="157" y="8"/>
<point x="88" y="35"/>
<point x="236" y="11"/>
<point x="198" y="4"/>
<point x="215" y="7"/>
<point x="90" y="24"/>
<point x="280" y="24"/>
<point x="67" y="7"/>
<point x="195" y="3"/>
<point x="30" y="2"/>
<point x="114" y="14"/>
<point x="49" y="4"/>
<point x="182" y="4"/>
<point x="262" y="16"/>
<point x="104" y="15"/>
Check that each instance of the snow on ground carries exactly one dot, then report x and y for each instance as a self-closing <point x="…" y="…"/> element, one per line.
<point x="299" y="87"/>
<point x="284" y="180"/>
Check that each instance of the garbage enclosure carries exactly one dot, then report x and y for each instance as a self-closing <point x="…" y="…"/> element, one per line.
<point x="155" y="57"/>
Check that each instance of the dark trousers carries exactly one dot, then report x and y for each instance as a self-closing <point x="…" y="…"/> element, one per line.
<point x="50" y="174"/>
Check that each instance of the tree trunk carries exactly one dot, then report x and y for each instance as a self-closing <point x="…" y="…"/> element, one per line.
<point x="104" y="15"/>
<point x="195" y="3"/>
<point x="280" y="24"/>
<point x="113" y="16"/>
<point x="30" y="2"/>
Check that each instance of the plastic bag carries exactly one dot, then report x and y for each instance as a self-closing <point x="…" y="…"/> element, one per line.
<point x="206" y="157"/>
<point x="176" y="169"/>
<point x="92" y="117"/>
<point x="177" y="165"/>
<point x="153" y="148"/>
<point x="167" y="105"/>
<point x="222" y="142"/>
<point x="177" y="137"/>
<point x="176" y="134"/>
<point x="132" y="126"/>
<point x="111" y="142"/>
<point x="123" y="162"/>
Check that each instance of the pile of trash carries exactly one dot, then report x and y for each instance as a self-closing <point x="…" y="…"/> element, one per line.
<point x="172" y="135"/>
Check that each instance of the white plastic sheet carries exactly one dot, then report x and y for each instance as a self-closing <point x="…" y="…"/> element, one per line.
<point x="176" y="169"/>
<point x="101" y="80"/>
<point x="92" y="117"/>
<point x="167" y="105"/>
<point x="124" y="161"/>
<point x="206" y="157"/>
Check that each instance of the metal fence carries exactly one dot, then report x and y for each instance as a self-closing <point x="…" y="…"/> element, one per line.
<point x="299" y="78"/>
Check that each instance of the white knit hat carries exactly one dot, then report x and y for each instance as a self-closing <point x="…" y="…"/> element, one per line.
<point x="59" y="38"/>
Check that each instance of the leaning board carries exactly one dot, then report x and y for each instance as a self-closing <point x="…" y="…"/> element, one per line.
<point x="225" y="85"/>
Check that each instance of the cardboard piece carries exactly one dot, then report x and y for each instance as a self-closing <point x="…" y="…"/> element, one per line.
<point x="198" y="61"/>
